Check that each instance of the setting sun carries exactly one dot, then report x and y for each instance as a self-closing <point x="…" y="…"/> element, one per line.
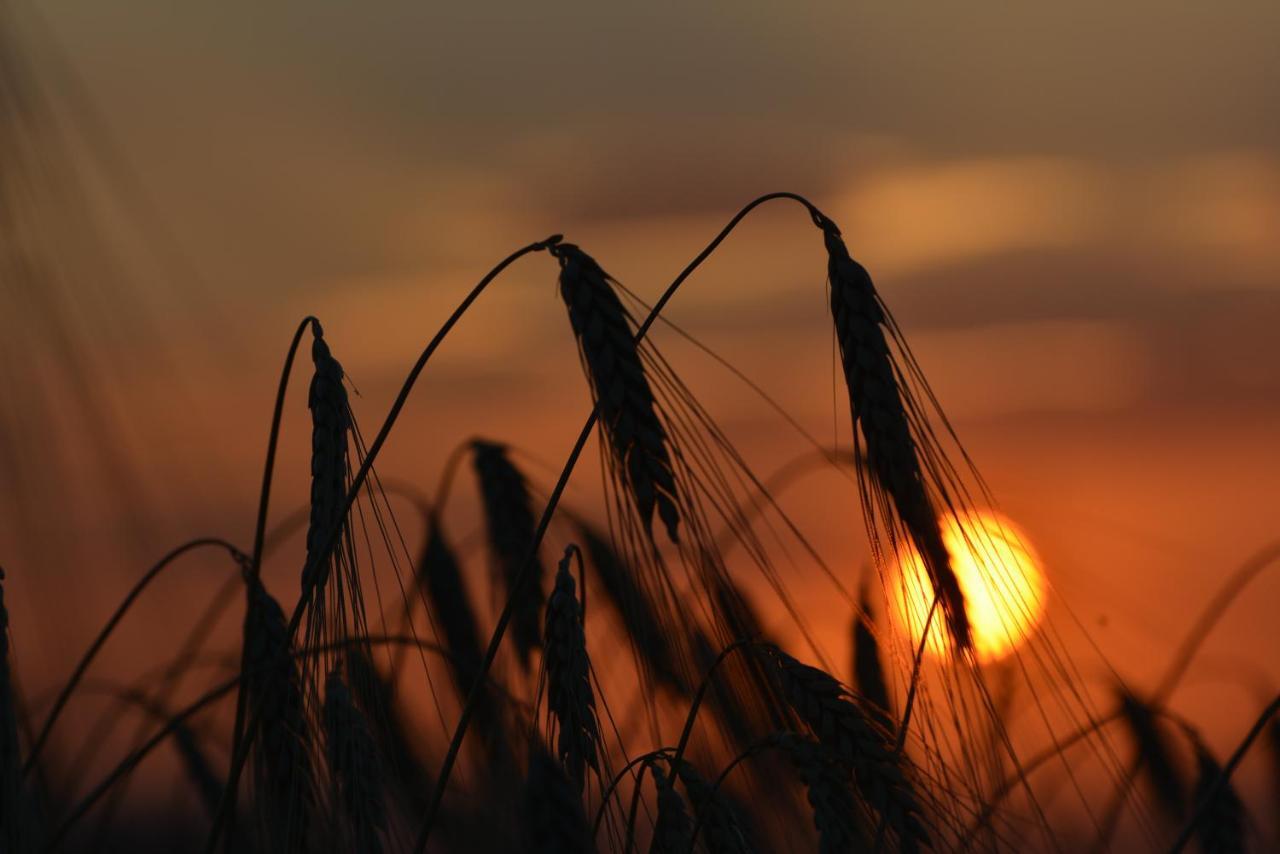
<point x="1000" y="574"/>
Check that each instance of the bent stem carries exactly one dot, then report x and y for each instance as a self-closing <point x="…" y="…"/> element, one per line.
<point x="517" y="587"/>
<point x="112" y="622"/>
<point x="240" y="756"/>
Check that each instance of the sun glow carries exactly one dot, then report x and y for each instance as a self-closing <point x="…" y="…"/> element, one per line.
<point x="1003" y="583"/>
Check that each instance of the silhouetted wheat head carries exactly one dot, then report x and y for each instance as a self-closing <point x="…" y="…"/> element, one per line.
<point x="628" y="410"/>
<point x="510" y="523"/>
<point x="883" y="418"/>
<point x="568" y="673"/>
<point x="334" y="729"/>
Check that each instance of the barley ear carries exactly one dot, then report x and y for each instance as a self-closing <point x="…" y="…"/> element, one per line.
<point x="850" y="735"/>
<point x="827" y="788"/>
<point x="330" y="426"/>
<point x="877" y="408"/>
<point x="569" y="694"/>
<point x="511" y="526"/>
<point x="628" y="410"/>
<point x="673" y="826"/>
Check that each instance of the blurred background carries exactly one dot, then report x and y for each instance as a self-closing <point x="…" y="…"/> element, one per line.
<point x="1073" y="212"/>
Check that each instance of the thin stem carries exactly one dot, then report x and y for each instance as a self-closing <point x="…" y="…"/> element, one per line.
<point x="112" y="622"/>
<point x="260" y="528"/>
<point x="213" y="695"/>
<point x="357" y="483"/>
<point x="1225" y="776"/>
<point x="495" y="641"/>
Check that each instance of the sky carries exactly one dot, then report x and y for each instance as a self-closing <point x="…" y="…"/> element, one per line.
<point x="1072" y="211"/>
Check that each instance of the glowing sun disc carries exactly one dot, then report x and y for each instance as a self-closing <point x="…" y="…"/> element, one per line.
<point x="1003" y="583"/>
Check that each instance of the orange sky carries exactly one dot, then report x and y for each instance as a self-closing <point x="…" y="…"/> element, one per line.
<point x="1073" y="214"/>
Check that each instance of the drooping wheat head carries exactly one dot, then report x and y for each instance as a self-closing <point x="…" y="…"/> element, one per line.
<point x="879" y="413"/>
<point x="569" y="695"/>
<point x="628" y="410"/>
<point x="439" y="576"/>
<point x="827" y="787"/>
<point x="843" y="728"/>
<point x="718" y="825"/>
<point x="511" y="525"/>
<point x="673" y="826"/>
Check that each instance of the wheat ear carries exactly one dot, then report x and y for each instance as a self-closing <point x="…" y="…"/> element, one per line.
<point x="511" y="526"/>
<point x="628" y="410"/>
<point x="844" y="729"/>
<point x="330" y="428"/>
<point x="877" y="408"/>
<point x="569" y="694"/>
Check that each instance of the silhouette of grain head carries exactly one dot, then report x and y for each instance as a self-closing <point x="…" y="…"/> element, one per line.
<point x="439" y="576"/>
<point x="718" y="824"/>
<point x="1220" y="829"/>
<point x="375" y="696"/>
<point x="1156" y="756"/>
<point x="879" y="412"/>
<point x="354" y="767"/>
<point x="844" y="729"/>
<point x="639" y="614"/>
<point x="826" y="783"/>
<point x="511" y="526"/>
<point x="569" y="694"/>
<point x="628" y="410"/>
<point x="330" y="428"/>
<point x="281" y="759"/>
<point x="552" y="817"/>
<point x="673" y="826"/>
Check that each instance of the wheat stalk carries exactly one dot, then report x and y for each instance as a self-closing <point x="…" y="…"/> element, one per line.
<point x="511" y="527"/>
<point x="569" y="694"/>
<point x="1222" y="819"/>
<point x="673" y="828"/>
<point x="626" y="404"/>
<point x="877" y="408"/>
<point x="844" y="729"/>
